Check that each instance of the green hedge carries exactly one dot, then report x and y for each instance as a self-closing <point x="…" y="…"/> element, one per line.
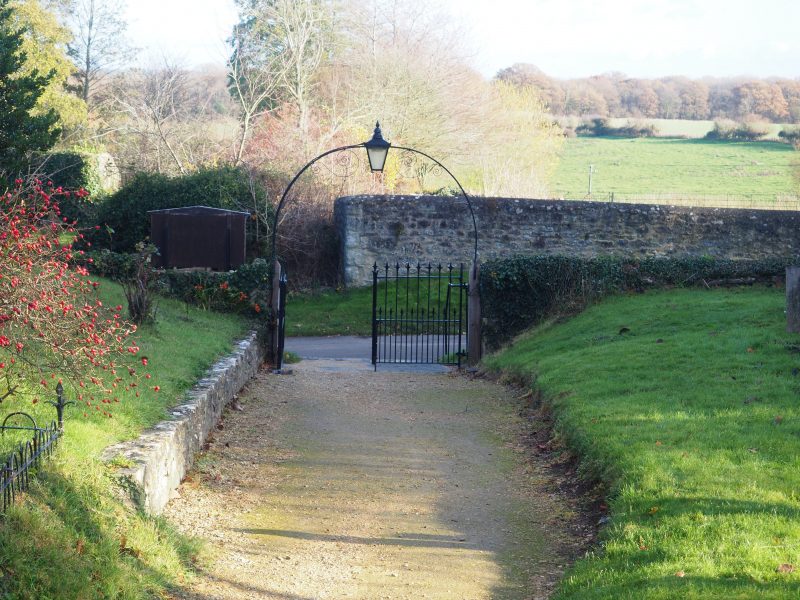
<point x="123" y="217"/>
<point x="236" y="291"/>
<point x="602" y="127"/>
<point x="73" y="171"/>
<point x="519" y="292"/>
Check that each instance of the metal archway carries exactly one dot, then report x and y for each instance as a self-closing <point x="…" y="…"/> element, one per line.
<point x="277" y="303"/>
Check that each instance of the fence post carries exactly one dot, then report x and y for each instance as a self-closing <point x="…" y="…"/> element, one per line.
<point x="793" y="299"/>
<point x="276" y="306"/>
<point x="60" y="405"/>
<point x="474" y="316"/>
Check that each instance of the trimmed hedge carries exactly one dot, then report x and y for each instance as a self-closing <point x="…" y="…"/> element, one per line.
<point x="244" y="291"/>
<point x="519" y="292"/>
<point x="123" y="216"/>
<point x="742" y="132"/>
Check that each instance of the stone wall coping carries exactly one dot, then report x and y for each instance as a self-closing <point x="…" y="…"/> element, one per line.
<point x="498" y="202"/>
<point x="156" y="461"/>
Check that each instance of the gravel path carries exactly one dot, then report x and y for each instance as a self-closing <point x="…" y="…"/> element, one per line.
<point x="337" y="482"/>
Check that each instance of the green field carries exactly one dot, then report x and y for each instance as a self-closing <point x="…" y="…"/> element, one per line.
<point x="687" y="128"/>
<point x="349" y="312"/>
<point x="653" y="169"/>
<point x="684" y="405"/>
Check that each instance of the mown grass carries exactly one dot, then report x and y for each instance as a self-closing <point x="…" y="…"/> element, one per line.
<point x="71" y="536"/>
<point x="330" y="312"/>
<point x="684" y="403"/>
<point x="655" y="166"/>
<point x="349" y="312"/>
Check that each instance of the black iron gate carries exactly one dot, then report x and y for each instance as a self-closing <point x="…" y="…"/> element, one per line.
<point x="419" y="314"/>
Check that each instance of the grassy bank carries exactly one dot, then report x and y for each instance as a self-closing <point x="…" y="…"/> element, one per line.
<point x="71" y="537"/>
<point x="684" y="403"/>
<point x="662" y="167"/>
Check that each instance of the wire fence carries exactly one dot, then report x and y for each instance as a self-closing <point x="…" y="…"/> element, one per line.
<point x="789" y="202"/>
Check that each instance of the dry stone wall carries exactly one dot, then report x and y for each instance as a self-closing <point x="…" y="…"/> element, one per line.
<point x="439" y="229"/>
<point x="156" y="462"/>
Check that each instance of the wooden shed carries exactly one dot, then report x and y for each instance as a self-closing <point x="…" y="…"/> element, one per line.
<point x="198" y="237"/>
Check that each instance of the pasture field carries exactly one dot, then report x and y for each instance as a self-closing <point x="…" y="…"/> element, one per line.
<point x="689" y="128"/>
<point x="669" y="169"/>
<point x="674" y="127"/>
<point x="683" y="403"/>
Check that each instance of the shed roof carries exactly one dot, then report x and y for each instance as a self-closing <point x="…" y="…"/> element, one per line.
<point x="198" y="210"/>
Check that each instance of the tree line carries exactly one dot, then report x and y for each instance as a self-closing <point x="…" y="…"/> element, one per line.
<point x="302" y="76"/>
<point x="616" y="95"/>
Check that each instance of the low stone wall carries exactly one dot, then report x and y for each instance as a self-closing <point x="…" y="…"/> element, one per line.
<point x="161" y="456"/>
<point x="439" y="229"/>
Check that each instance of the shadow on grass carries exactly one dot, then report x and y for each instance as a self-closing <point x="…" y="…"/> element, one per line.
<point x="65" y="541"/>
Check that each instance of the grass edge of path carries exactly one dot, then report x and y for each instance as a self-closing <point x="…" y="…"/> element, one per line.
<point x="594" y="378"/>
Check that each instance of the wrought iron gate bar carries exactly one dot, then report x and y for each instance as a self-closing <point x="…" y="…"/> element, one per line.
<point x="418" y="314"/>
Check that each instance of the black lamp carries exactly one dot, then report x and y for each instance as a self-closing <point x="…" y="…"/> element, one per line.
<point x="377" y="149"/>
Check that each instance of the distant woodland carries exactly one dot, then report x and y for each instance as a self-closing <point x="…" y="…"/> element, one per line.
<point x="616" y="95"/>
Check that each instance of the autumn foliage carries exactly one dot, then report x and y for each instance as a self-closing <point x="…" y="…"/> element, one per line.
<point x="52" y="325"/>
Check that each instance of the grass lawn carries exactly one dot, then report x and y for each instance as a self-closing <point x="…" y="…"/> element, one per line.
<point x="330" y="312"/>
<point x="71" y="537"/>
<point x="691" y="418"/>
<point x="657" y="166"/>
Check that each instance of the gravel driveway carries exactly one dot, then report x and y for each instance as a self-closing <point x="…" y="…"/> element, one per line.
<point x="337" y="482"/>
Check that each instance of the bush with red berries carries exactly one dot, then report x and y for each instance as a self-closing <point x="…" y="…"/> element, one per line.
<point x="53" y="326"/>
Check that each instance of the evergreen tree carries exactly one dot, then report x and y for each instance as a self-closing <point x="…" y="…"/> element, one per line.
<point x="20" y="131"/>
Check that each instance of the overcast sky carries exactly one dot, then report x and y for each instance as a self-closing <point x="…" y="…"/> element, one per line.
<point x="564" y="38"/>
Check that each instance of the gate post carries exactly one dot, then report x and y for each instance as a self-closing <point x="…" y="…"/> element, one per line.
<point x="276" y="307"/>
<point x="474" y="316"/>
<point x="375" y="315"/>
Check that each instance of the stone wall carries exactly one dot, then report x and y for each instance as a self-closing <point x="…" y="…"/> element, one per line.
<point x="439" y="229"/>
<point x="157" y="460"/>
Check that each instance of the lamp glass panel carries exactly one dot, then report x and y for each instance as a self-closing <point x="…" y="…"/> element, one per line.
<point x="377" y="158"/>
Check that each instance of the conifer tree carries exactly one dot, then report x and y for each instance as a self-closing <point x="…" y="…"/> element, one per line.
<point x="20" y="131"/>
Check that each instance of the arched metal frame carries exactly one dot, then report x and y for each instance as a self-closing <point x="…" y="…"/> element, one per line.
<point x="363" y="145"/>
<point x="276" y="334"/>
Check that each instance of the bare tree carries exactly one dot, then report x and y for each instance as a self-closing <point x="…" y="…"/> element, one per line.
<point x="524" y="168"/>
<point x="99" y="46"/>
<point x="255" y="74"/>
<point x="166" y="119"/>
<point x="277" y="51"/>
